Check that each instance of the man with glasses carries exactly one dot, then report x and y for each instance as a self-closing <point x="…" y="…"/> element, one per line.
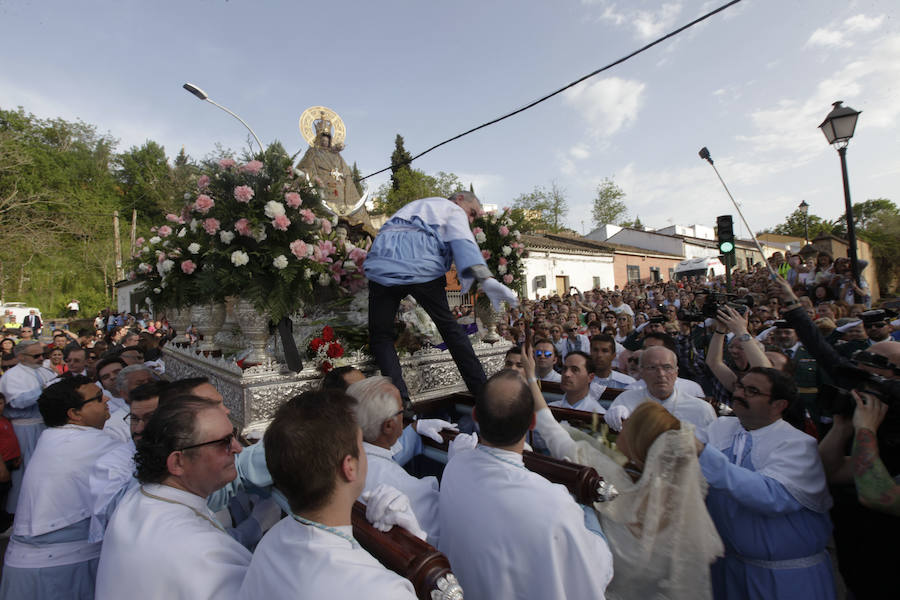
<point x="49" y="554"/>
<point x="26" y="334"/>
<point x="21" y="386"/>
<point x="767" y="496"/>
<point x="162" y="540"/>
<point x="545" y="360"/>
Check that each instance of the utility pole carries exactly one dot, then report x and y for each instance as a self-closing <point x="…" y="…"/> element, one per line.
<point x="133" y="230"/>
<point x="118" y="251"/>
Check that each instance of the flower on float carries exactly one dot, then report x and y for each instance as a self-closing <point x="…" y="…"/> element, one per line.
<point x="172" y="218"/>
<point x="227" y="163"/>
<point x="156" y="290"/>
<point x="517" y="234"/>
<point x="274" y="209"/>
<point x="293" y="199"/>
<point x="144" y="268"/>
<point x="211" y="225"/>
<point x="326" y="226"/>
<point x="323" y="251"/>
<point x="502" y="261"/>
<point x="243" y="193"/>
<point x="260" y="234"/>
<point x="188" y="266"/>
<point x="476" y="230"/>
<point x="506" y="250"/>
<point x="203" y="204"/>
<point x="226" y="236"/>
<point x="165" y="231"/>
<point x="298" y="249"/>
<point x="182" y="232"/>
<point x="324" y="279"/>
<point x="504" y="230"/>
<point x="501" y="269"/>
<point x="194" y="248"/>
<point x="281" y="223"/>
<point x="139" y="242"/>
<point x="480" y="237"/>
<point x="239" y="258"/>
<point x="155" y="239"/>
<point x="203" y="181"/>
<point x="280" y="261"/>
<point x="242" y="226"/>
<point x="253" y="167"/>
<point x="193" y="225"/>
<point x="308" y="217"/>
<point x="507" y="279"/>
<point x="145" y="250"/>
<point x="308" y="273"/>
<point x="485" y="254"/>
<point x="166" y="266"/>
<point x="358" y="256"/>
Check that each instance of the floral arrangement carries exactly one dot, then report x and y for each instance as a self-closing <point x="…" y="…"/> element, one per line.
<point x="501" y="248"/>
<point x="257" y="230"/>
<point x="326" y="350"/>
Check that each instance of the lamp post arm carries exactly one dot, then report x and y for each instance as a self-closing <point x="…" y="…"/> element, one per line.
<point x="244" y="123"/>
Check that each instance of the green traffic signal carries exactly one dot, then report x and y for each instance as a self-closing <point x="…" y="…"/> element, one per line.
<point x="726" y="247"/>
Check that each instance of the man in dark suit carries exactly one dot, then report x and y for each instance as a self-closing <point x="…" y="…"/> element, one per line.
<point x="33" y="320"/>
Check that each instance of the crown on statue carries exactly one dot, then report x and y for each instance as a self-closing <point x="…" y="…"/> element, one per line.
<point x="323" y="125"/>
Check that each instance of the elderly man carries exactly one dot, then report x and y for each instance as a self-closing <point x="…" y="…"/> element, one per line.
<point x="162" y="540"/>
<point x="410" y="256"/>
<point x="49" y="555"/>
<point x="524" y="537"/>
<point x="315" y="450"/>
<point x="21" y="386"/>
<point x="544" y="361"/>
<point x="33" y="320"/>
<point x="767" y="496"/>
<point x="578" y="372"/>
<point x="379" y="413"/>
<point x="659" y="371"/>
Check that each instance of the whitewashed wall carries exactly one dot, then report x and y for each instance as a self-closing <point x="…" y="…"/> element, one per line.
<point x="580" y="269"/>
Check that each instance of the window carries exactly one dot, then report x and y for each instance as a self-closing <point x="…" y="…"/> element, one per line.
<point x="654" y="274"/>
<point x="633" y="273"/>
<point x="749" y="264"/>
<point x="596" y="283"/>
<point x="671" y="274"/>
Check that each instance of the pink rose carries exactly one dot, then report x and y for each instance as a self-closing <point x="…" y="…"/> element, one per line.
<point x="203" y="181"/>
<point x="293" y="199"/>
<point x="486" y="254"/>
<point x="243" y="193"/>
<point x="504" y="230"/>
<point x="164" y="231"/>
<point x="172" y="218"/>
<point x="308" y="217"/>
<point x="227" y="163"/>
<point x="211" y="226"/>
<point x="281" y="222"/>
<point x="203" y="204"/>
<point x="298" y="248"/>
<point x="253" y="167"/>
<point x="502" y="261"/>
<point x="507" y="279"/>
<point x="153" y="229"/>
<point x="188" y="266"/>
<point x="139" y="242"/>
<point x="477" y="230"/>
<point x="243" y="227"/>
<point x="326" y="226"/>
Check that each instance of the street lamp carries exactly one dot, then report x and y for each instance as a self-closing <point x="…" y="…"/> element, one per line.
<point x="204" y="96"/>
<point x="804" y="208"/>
<point x="838" y="128"/>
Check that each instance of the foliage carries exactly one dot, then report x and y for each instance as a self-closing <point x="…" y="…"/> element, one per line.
<point x="866" y="215"/>
<point x="608" y="205"/>
<point x="543" y="208"/>
<point x="500" y="246"/>
<point x="414" y="185"/>
<point x="795" y="226"/>
<point x="636" y="224"/>
<point x="400" y="161"/>
<point x="360" y="186"/>
<point x="145" y="183"/>
<point x="877" y="221"/>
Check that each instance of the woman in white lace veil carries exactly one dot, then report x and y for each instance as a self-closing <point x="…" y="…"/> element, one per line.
<point x="662" y="537"/>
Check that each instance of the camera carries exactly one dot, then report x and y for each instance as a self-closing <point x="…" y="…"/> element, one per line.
<point x="713" y="301"/>
<point x="835" y="400"/>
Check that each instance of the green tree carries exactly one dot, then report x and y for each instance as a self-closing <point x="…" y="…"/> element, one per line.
<point x="544" y="208"/>
<point x="608" y="205"/>
<point x="146" y="182"/>
<point x="795" y="225"/>
<point x="865" y="214"/>
<point x="400" y="161"/>
<point x="360" y="187"/>
<point x="413" y="184"/>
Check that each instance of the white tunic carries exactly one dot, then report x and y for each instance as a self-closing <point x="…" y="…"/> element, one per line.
<point x="688" y="386"/>
<point x="300" y="562"/>
<point x="684" y="406"/>
<point x="552" y="376"/>
<point x="170" y="548"/>
<point x="422" y="493"/>
<point x="588" y="404"/>
<point x="510" y="533"/>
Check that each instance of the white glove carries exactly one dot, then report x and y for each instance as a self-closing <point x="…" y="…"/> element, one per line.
<point x="463" y="441"/>
<point x="432" y="428"/>
<point x="498" y="293"/>
<point x="387" y="506"/>
<point x="266" y="512"/>
<point x="615" y="415"/>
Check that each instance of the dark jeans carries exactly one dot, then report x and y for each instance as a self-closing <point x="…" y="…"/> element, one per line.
<point x="432" y="297"/>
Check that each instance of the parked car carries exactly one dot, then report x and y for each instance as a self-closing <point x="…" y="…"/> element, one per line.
<point x="15" y="312"/>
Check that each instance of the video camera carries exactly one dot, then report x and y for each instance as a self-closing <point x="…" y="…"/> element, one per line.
<point x="835" y="400"/>
<point x="710" y="308"/>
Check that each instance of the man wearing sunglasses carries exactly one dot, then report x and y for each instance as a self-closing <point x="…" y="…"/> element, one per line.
<point x="163" y="541"/>
<point x="545" y="360"/>
<point x="22" y="385"/>
<point x="49" y="550"/>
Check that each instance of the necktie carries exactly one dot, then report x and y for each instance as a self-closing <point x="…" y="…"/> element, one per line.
<point x="742" y="444"/>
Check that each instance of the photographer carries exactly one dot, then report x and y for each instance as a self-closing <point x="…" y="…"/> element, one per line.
<point x="875" y="487"/>
<point x="745" y="351"/>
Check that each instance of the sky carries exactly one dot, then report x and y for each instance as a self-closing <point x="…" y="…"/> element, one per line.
<point x="751" y="83"/>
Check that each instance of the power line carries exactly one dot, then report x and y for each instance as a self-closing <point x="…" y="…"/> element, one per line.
<point x="560" y="90"/>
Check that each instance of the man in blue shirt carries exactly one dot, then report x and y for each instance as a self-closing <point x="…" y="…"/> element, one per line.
<point x="411" y="256"/>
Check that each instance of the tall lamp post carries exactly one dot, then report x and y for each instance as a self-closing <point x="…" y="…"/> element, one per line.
<point x="804" y="208"/>
<point x="204" y="96"/>
<point x="838" y="128"/>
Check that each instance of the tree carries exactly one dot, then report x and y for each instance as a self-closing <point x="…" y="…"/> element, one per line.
<point x="413" y="184"/>
<point x="795" y="225"/>
<point x="543" y="208"/>
<point x="608" y="205"/>
<point x="146" y="183"/>
<point x="400" y="161"/>
<point x="354" y="171"/>
<point x="865" y="214"/>
<point x="636" y="224"/>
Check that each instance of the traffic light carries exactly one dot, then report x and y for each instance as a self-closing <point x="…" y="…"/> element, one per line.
<point x="725" y="233"/>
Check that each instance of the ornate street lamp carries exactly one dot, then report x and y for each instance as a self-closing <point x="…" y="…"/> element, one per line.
<point x="838" y="128"/>
<point x="204" y="96"/>
<point x="804" y="208"/>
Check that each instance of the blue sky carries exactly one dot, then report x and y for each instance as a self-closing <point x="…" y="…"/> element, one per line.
<point x="752" y="84"/>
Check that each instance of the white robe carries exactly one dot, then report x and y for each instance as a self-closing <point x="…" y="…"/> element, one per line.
<point x="300" y="562"/>
<point x="688" y="386"/>
<point x="587" y="404"/>
<point x="510" y="533"/>
<point x="685" y="407"/>
<point x="422" y="493"/>
<point x="169" y="549"/>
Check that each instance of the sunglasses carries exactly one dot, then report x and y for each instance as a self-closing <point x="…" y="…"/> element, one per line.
<point x="545" y="353"/>
<point x="224" y="442"/>
<point x="97" y="398"/>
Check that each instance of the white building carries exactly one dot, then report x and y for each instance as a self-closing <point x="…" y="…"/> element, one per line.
<point x="556" y="263"/>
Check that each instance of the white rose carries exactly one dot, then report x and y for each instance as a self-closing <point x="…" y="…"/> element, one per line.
<point x="145" y="250"/>
<point x="274" y="209"/>
<point x="239" y="258"/>
<point x="181" y="232"/>
<point x="155" y="239"/>
<point x="501" y="269"/>
<point x="308" y="273"/>
<point x="193" y="224"/>
<point x="480" y="237"/>
<point x="167" y="265"/>
<point x="517" y="233"/>
<point x="156" y="290"/>
<point x="260" y="234"/>
<point x="194" y="248"/>
<point x="226" y="236"/>
<point x="280" y="262"/>
<point x="187" y="196"/>
<point x="506" y="250"/>
<point x="324" y="279"/>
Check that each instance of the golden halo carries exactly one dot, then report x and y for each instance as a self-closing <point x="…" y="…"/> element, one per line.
<point x="313" y="114"/>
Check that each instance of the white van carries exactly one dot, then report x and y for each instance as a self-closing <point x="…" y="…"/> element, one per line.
<point x="709" y="266"/>
<point x="15" y="312"/>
